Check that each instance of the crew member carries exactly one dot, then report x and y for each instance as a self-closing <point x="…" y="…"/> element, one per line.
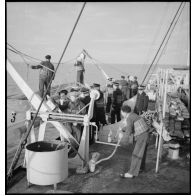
<point x="99" y="109"/>
<point x="140" y="135"/>
<point x="124" y="87"/>
<point x="80" y="68"/>
<point x="134" y="86"/>
<point x="63" y="101"/>
<point x="45" y="75"/>
<point x="117" y="100"/>
<point x="142" y="101"/>
<point x="75" y="106"/>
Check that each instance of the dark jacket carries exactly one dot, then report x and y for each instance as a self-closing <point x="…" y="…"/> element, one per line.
<point x="99" y="103"/>
<point x="117" y="98"/>
<point x="63" y="106"/>
<point x="47" y="69"/>
<point x="141" y="103"/>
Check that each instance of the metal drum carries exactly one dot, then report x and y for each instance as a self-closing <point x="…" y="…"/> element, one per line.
<point x="46" y="162"/>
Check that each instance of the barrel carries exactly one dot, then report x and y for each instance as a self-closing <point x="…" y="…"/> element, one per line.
<point x="174" y="151"/>
<point x="46" y="162"/>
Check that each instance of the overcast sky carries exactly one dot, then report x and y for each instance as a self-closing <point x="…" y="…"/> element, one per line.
<point x="129" y="32"/>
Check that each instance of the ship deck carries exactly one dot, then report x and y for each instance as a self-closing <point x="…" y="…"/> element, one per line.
<point x="173" y="175"/>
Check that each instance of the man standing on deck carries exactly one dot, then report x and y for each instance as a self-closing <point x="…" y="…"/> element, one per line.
<point x="142" y="101"/>
<point x="124" y="87"/>
<point x="45" y="75"/>
<point x="134" y="86"/>
<point x="99" y="109"/>
<point x="136" y="126"/>
<point x="80" y="68"/>
<point x="117" y="100"/>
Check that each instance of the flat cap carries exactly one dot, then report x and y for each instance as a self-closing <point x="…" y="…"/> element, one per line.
<point x="84" y="90"/>
<point x="141" y="87"/>
<point x="96" y="85"/>
<point x="48" y="57"/>
<point x="116" y="83"/>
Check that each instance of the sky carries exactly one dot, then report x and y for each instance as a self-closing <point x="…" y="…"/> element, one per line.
<point x="112" y="32"/>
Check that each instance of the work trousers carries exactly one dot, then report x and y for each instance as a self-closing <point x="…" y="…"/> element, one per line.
<point x="44" y="82"/>
<point x="80" y="76"/>
<point x="115" y="113"/>
<point x="139" y="154"/>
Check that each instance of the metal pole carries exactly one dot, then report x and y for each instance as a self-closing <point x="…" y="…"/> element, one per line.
<point x="162" y="116"/>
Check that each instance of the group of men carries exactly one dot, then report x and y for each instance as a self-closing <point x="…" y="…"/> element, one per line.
<point x="110" y="102"/>
<point x="118" y="92"/>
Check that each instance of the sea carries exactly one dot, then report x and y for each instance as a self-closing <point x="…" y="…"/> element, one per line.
<point x="66" y="73"/>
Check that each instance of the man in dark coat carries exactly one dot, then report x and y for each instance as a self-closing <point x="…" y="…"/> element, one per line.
<point x="142" y="101"/>
<point x="117" y="101"/>
<point x="124" y="87"/>
<point x="46" y="73"/>
<point x="99" y="109"/>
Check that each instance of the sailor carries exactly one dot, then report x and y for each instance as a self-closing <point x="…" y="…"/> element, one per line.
<point x="117" y="100"/>
<point x="63" y="101"/>
<point x="130" y="82"/>
<point x="134" y="86"/>
<point x="142" y="101"/>
<point x="74" y="107"/>
<point x="124" y="87"/>
<point x="45" y="75"/>
<point x="80" y="68"/>
<point x="85" y="97"/>
<point x="99" y="109"/>
<point x="140" y="140"/>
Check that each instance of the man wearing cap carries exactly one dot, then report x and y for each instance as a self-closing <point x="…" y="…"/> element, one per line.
<point x="74" y="107"/>
<point x="117" y="101"/>
<point x="134" y="86"/>
<point x="142" y="101"/>
<point x="80" y="68"/>
<point x="45" y="75"/>
<point x="63" y="101"/>
<point x="124" y="87"/>
<point x="99" y="107"/>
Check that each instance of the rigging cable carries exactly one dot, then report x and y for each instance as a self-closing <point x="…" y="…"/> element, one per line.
<point x="24" y="140"/>
<point x="155" y="38"/>
<point x="165" y="45"/>
<point x="162" y="42"/>
<point x="28" y="56"/>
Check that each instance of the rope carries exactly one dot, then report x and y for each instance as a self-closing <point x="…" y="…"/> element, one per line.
<point x="28" y="56"/>
<point x="24" y="140"/>
<point x="82" y="108"/>
<point x="111" y="155"/>
<point x="162" y="42"/>
<point x="165" y="46"/>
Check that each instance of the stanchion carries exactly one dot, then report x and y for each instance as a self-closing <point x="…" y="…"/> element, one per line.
<point x="162" y="116"/>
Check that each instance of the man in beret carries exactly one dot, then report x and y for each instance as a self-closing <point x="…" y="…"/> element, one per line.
<point x="45" y="75"/>
<point x="142" y="101"/>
